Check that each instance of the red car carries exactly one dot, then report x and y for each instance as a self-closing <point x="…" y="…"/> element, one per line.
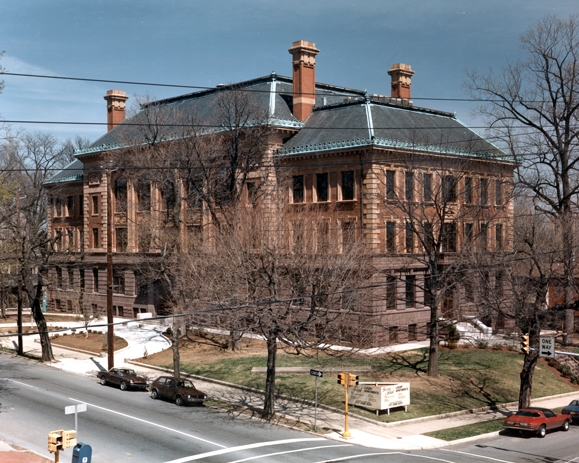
<point x="537" y="420"/>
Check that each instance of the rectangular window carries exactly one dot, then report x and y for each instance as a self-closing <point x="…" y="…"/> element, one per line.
<point x="348" y="232"/>
<point x="498" y="192"/>
<point x="322" y="188"/>
<point x="70" y="278"/>
<point x="70" y="206"/>
<point x="70" y="238"/>
<point x="95" y="238"/>
<point x="448" y="237"/>
<point x="484" y="191"/>
<point x="142" y="286"/>
<point x="58" y="277"/>
<point x="118" y="281"/>
<point x="468" y="190"/>
<point x="95" y="280"/>
<point x="391" y="293"/>
<point x="410" y="297"/>
<point x="121" y="194"/>
<point x="448" y="189"/>
<point x="95" y="205"/>
<point x="390" y="236"/>
<point x="348" y="185"/>
<point x="390" y="184"/>
<point x="143" y="196"/>
<point x="428" y="237"/>
<point x="251" y="192"/>
<point x="58" y="208"/>
<point x="323" y="236"/>
<point x="298" y="189"/>
<point x="121" y="239"/>
<point x="484" y="229"/>
<point x="81" y="281"/>
<point x="393" y="334"/>
<point x="499" y="236"/>
<point x="409" y="237"/>
<point x="81" y="205"/>
<point x="169" y="196"/>
<point x="412" y="332"/>
<point x="468" y="232"/>
<point x="427" y="187"/>
<point x="409" y="186"/>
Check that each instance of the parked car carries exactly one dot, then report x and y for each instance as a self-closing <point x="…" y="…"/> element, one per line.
<point x="125" y="378"/>
<point x="572" y="410"/>
<point x="537" y="420"/>
<point x="181" y="391"/>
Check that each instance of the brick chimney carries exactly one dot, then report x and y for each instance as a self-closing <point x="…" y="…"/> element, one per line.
<point x="304" y="77"/>
<point x="401" y="75"/>
<point x="115" y="107"/>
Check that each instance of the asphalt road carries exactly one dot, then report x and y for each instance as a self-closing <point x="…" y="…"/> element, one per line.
<point x="132" y="427"/>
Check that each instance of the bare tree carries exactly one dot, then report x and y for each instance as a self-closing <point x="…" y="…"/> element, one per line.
<point x="533" y="108"/>
<point x="514" y="286"/>
<point x="34" y="158"/>
<point x="435" y="218"/>
<point x="300" y="293"/>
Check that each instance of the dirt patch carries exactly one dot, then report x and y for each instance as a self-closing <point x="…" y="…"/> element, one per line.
<point x="95" y="342"/>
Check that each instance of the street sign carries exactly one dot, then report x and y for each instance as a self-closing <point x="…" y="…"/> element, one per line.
<point x="317" y="373"/>
<point x="70" y="409"/>
<point x="547" y="347"/>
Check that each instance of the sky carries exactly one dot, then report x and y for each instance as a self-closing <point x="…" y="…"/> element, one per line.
<point x="207" y="43"/>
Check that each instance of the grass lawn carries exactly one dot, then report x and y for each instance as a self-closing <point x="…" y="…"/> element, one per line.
<point x="469" y="378"/>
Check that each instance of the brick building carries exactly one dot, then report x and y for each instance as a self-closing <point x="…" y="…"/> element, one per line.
<point x="364" y="162"/>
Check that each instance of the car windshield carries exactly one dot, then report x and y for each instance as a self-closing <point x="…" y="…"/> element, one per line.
<point x="130" y="372"/>
<point x="574" y="403"/>
<point x="185" y="383"/>
<point x="528" y="413"/>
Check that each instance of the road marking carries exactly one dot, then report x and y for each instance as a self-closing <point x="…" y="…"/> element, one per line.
<point x="291" y="451"/>
<point x="150" y="423"/>
<point x="243" y="447"/>
<point x="363" y="455"/>
<point x="18" y="382"/>
<point x="478" y="456"/>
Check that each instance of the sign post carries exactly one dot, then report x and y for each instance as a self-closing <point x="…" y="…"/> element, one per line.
<point x="547" y="347"/>
<point x="70" y="409"/>
<point x="317" y="374"/>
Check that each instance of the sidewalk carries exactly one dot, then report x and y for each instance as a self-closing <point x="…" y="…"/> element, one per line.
<point x="404" y="435"/>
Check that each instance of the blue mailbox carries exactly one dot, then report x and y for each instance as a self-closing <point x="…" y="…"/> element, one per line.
<point x="81" y="453"/>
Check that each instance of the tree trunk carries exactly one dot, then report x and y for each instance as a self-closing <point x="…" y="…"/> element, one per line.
<point x="176" y="356"/>
<point x="527" y="379"/>
<point x="47" y="355"/>
<point x="234" y="343"/>
<point x="569" y="259"/>
<point x="433" y="348"/>
<point x="269" y="401"/>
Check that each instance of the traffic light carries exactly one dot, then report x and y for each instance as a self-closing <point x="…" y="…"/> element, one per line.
<point x="68" y="439"/>
<point x="55" y="441"/>
<point x="525" y="343"/>
<point x="353" y="380"/>
<point x="342" y="378"/>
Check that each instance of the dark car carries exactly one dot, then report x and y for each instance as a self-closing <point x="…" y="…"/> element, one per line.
<point x="125" y="378"/>
<point x="181" y="391"/>
<point x="572" y="410"/>
<point x="537" y="420"/>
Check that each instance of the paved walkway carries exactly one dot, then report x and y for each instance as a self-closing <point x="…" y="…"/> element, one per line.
<point x="146" y="337"/>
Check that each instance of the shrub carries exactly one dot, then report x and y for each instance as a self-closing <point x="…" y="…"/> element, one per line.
<point x="565" y="371"/>
<point x="482" y="344"/>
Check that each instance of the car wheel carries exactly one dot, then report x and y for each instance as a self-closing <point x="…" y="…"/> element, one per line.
<point x="154" y="394"/>
<point x="542" y="431"/>
<point x="123" y="386"/>
<point x="103" y="380"/>
<point x="565" y="426"/>
<point x="179" y="400"/>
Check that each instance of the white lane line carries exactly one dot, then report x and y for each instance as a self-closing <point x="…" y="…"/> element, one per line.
<point x="18" y="382"/>
<point x="478" y="456"/>
<point x="291" y="451"/>
<point x="150" y="423"/>
<point x="364" y="455"/>
<point x="243" y="447"/>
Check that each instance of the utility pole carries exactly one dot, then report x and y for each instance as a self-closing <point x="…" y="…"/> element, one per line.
<point x="110" y="326"/>
<point x="20" y="266"/>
